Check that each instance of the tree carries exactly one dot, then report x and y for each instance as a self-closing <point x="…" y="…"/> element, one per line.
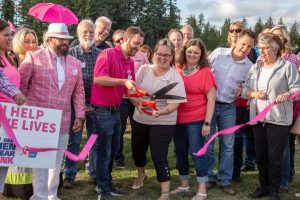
<point x="8" y="10"/>
<point x="201" y="22"/>
<point x="245" y="22"/>
<point x="294" y="34"/>
<point x="193" y="23"/>
<point x="280" y="21"/>
<point x="269" y="22"/>
<point x="224" y="31"/>
<point x="258" y="27"/>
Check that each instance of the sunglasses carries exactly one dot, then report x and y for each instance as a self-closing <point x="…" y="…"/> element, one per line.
<point x="235" y="30"/>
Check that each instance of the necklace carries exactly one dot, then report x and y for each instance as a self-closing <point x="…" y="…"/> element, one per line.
<point x="189" y="71"/>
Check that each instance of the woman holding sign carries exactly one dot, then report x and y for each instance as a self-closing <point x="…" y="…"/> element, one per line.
<point x="7" y="66"/>
<point x="270" y="79"/>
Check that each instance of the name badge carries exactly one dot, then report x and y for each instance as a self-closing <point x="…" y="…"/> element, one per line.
<point x="75" y="72"/>
<point x="129" y="76"/>
<point x="83" y="65"/>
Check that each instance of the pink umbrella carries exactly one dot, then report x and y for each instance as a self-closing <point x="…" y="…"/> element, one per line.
<point x="54" y="13"/>
<point x="12" y="26"/>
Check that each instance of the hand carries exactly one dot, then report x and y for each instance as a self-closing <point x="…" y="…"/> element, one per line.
<point x="282" y="97"/>
<point x="205" y="131"/>
<point x="130" y="85"/>
<point x="155" y="113"/>
<point x="88" y="109"/>
<point x="78" y="124"/>
<point x="19" y="99"/>
<point x="140" y="108"/>
<point x="261" y="95"/>
<point x="238" y="90"/>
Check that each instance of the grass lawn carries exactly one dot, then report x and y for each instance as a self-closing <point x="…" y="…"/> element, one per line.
<point x="85" y="190"/>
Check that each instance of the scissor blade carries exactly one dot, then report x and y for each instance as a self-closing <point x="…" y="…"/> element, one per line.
<point x="167" y="96"/>
<point x="163" y="91"/>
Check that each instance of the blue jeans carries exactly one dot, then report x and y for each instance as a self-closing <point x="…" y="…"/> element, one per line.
<point x="108" y="128"/>
<point x="224" y="117"/>
<point x="286" y="167"/>
<point x="126" y="110"/>
<point x="70" y="169"/>
<point x="188" y="136"/>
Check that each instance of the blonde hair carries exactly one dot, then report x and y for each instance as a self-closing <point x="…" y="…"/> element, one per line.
<point x="238" y="24"/>
<point x="19" y="39"/>
<point x="287" y="47"/>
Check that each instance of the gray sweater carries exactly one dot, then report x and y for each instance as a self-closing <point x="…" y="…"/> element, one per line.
<point x="285" y="78"/>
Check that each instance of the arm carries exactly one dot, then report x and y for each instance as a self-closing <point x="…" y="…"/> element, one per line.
<point x="110" y="82"/>
<point x="79" y="102"/>
<point x="26" y="72"/>
<point x="166" y="110"/>
<point x="210" y="107"/>
<point x="6" y="87"/>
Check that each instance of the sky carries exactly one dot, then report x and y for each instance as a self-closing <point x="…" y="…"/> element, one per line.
<point x="217" y="10"/>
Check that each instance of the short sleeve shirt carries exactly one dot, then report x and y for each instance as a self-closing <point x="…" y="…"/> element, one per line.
<point x="112" y="63"/>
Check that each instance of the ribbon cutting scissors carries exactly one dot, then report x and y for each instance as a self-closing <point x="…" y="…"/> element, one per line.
<point x="160" y="94"/>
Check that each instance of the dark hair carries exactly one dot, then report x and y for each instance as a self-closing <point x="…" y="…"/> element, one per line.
<point x="4" y="25"/>
<point x="169" y="44"/>
<point x="203" y="61"/>
<point x="133" y="30"/>
<point x="249" y="33"/>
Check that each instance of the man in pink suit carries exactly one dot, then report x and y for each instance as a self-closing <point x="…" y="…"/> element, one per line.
<point x="50" y="78"/>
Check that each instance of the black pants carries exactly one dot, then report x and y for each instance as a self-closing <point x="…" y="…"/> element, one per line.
<point x="159" y="138"/>
<point x="270" y="141"/>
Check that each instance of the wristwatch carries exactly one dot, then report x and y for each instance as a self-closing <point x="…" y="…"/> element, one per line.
<point x="206" y="123"/>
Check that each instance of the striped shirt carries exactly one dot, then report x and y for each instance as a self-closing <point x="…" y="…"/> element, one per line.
<point x="6" y="87"/>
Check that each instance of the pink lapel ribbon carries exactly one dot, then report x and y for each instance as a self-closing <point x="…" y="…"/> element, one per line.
<point x="82" y="155"/>
<point x="231" y="130"/>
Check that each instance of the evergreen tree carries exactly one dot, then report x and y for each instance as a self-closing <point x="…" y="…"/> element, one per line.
<point x="294" y="34"/>
<point x="8" y="10"/>
<point x="224" y="31"/>
<point x="258" y="27"/>
<point x="269" y="22"/>
<point x="201" y="22"/>
<point x="193" y="23"/>
<point x="245" y="22"/>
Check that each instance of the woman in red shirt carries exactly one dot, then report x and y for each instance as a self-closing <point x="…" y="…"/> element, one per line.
<point x="194" y="116"/>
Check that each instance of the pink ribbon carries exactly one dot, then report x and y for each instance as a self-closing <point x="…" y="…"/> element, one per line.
<point x="231" y="130"/>
<point x="82" y="155"/>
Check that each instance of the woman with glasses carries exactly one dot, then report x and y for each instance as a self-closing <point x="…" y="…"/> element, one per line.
<point x="288" y="170"/>
<point x="156" y="130"/>
<point x="194" y="116"/>
<point x="270" y="79"/>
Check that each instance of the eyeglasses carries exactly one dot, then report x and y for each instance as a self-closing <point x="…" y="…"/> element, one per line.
<point x="163" y="55"/>
<point x="235" y="30"/>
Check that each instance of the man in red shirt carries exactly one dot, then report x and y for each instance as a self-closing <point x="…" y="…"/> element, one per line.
<point x="114" y="69"/>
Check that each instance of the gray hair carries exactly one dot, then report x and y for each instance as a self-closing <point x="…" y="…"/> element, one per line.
<point x="84" y="21"/>
<point x="189" y="27"/>
<point x="103" y="19"/>
<point x="271" y="40"/>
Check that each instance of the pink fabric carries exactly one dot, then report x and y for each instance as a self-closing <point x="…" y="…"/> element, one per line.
<point x="196" y="87"/>
<point x="112" y="63"/>
<point x="54" y="13"/>
<point x="39" y="83"/>
<point x="82" y="155"/>
<point x="139" y="59"/>
<point x="13" y="76"/>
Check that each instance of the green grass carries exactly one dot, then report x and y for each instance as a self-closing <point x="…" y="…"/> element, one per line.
<point x="85" y="190"/>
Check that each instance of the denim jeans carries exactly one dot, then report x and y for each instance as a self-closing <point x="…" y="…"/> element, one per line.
<point x="241" y="135"/>
<point x="108" y="128"/>
<point x="286" y="167"/>
<point x="224" y="117"/>
<point x="126" y="110"/>
<point x="191" y="131"/>
<point x="70" y="169"/>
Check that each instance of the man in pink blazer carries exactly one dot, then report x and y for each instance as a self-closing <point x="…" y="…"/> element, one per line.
<point x="50" y="78"/>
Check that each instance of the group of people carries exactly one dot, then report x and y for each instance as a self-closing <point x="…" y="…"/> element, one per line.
<point x="98" y="83"/>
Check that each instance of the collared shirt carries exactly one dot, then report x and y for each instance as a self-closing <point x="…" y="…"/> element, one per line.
<point x="228" y="73"/>
<point x="6" y="87"/>
<point x="88" y="60"/>
<point x="112" y="63"/>
<point x="60" y="66"/>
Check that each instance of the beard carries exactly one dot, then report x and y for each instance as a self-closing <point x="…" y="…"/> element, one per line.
<point x="62" y="50"/>
<point x="87" y="42"/>
<point x="131" y="51"/>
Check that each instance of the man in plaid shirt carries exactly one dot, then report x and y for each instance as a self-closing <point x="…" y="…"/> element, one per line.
<point x="87" y="53"/>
